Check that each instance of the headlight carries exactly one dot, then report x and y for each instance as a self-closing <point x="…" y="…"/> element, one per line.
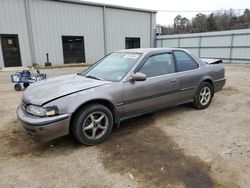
<point x="42" y="111"/>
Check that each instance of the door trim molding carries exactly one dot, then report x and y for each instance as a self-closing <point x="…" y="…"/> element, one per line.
<point x="147" y="97"/>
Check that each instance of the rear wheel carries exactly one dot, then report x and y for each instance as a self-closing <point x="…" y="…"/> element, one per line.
<point x="92" y="124"/>
<point x="203" y="96"/>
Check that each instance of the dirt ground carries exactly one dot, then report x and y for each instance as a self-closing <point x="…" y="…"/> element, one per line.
<point x="177" y="147"/>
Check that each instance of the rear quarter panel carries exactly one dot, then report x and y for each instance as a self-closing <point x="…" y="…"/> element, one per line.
<point x="217" y="71"/>
<point x="190" y="80"/>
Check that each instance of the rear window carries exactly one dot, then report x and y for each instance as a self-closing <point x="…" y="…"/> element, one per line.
<point x="184" y="62"/>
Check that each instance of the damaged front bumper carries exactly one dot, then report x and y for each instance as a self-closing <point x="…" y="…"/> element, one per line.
<point x="44" y="128"/>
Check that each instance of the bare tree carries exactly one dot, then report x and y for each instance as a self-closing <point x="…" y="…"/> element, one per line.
<point x="181" y="24"/>
<point x="222" y="20"/>
<point x="211" y="24"/>
<point x="199" y="23"/>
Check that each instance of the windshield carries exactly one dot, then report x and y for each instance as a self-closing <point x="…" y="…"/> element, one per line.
<point x="113" y="67"/>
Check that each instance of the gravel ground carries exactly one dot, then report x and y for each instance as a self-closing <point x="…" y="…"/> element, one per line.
<point x="177" y="147"/>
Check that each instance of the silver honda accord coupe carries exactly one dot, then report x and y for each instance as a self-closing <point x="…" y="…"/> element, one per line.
<point x="121" y="85"/>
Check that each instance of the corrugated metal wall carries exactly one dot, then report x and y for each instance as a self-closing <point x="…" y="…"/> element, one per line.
<point x="13" y="21"/>
<point x="125" y="23"/>
<point x="232" y="46"/>
<point x="50" y="20"/>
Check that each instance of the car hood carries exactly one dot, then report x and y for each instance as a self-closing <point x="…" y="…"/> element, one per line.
<point x="43" y="91"/>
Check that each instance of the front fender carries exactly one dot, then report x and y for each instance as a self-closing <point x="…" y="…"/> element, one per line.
<point x="112" y="93"/>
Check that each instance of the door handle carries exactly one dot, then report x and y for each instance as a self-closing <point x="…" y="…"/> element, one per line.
<point x="173" y="80"/>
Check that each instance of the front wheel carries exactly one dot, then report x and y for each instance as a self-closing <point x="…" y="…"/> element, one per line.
<point x="92" y="124"/>
<point x="203" y="96"/>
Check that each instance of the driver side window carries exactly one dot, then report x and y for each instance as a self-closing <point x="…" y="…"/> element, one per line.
<point x="158" y="65"/>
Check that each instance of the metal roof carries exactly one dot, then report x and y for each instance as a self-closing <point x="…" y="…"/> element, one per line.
<point x="105" y="5"/>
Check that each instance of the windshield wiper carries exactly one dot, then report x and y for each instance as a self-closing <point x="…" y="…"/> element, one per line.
<point x="94" y="77"/>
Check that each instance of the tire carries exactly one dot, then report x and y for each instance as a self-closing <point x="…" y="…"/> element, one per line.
<point x="203" y="96"/>
<point x="92" y="124"/>
<point x="25" y="85"/>
<point x="17" y="87"/>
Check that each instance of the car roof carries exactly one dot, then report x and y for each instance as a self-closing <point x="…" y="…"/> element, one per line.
<point x="148" y="50"/>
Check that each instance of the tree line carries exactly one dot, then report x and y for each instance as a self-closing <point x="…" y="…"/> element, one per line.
<point x="223" y="20"/>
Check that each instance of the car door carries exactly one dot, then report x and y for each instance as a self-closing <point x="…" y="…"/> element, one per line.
<point x="189" y="74"/>
<point x="159" y="89"/>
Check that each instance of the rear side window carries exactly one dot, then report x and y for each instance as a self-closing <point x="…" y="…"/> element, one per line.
<point x="157" y="65"/>
<point x="184" y="62"/>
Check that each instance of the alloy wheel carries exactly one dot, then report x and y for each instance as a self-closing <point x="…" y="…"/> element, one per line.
<point x="95" y="125"/>
<point x="205" y="96"/>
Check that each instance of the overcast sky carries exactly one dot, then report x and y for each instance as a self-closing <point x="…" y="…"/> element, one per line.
<point x="166" y="18"/>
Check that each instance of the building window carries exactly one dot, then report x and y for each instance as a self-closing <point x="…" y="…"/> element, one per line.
<point x="132" y="42"/>
<point x="73" y="49"/>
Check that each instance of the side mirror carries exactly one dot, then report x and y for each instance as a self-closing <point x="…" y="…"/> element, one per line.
<point x="139" y="77"/>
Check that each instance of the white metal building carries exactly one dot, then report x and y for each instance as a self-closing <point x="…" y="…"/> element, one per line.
<point x="231" y="45"/>
<point x="69" y="31"/>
